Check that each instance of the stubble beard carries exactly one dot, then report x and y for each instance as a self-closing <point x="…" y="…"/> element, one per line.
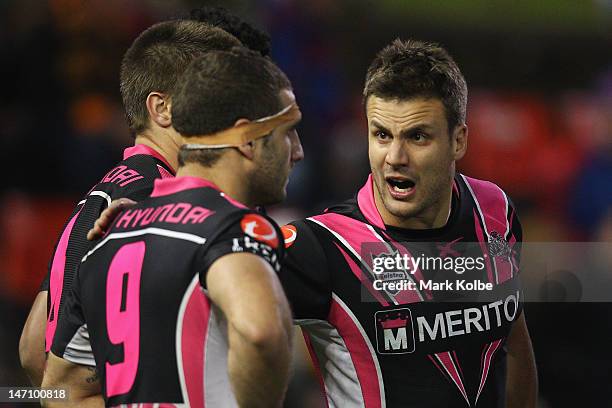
<point x="407" y="210"/>
<point x="267" y="184"/>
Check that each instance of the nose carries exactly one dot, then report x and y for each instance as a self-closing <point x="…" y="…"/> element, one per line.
<point x="397" y="155"/>
<point x="297" y="151"/>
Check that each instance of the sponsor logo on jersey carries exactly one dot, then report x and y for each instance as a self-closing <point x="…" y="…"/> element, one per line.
<point x="121" y="175"/>
<point x="247" y="244"/>
<point x="261" y="229"/>
<point x="289" y="234"/>
<point x="398" y="331"/>
<point x="394" y="331"/>
<point x="173" y="213"/>
<point x="397" y="272"/>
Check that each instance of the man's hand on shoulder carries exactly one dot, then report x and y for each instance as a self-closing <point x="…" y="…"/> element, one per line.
<point x="108" y="216"/>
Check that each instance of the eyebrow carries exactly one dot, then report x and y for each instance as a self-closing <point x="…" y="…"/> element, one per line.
<point x="379" y="126"/>
<point x="423" y="127"/>
<point x="406" y="132"/>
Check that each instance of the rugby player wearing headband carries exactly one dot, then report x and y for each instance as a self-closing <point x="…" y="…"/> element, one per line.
<point x="413" y="348"/>
<point x="180" y="303"/>
<point x="149" y="72"/>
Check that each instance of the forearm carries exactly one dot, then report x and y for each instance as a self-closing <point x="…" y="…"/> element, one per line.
<point x="32" y="360"/>
<point x="522" y="377"/>
<point x="521" y="384"/>
<point x="248" y="293"/>
<point x="259" y="372"/>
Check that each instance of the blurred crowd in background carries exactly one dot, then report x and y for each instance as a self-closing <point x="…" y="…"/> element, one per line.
<point x="539" y="116"/>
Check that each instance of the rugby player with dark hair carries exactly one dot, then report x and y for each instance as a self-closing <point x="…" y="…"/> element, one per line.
<point x="413" y="347"/>
<point x="149" y="74"/>
<point x="180" y="305"/>
<point x="249" y="36"/>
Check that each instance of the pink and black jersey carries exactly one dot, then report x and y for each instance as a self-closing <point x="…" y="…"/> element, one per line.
<point x="139" y="310"/>
<point x="132" y="178"/>
<point x="427" y="344"/>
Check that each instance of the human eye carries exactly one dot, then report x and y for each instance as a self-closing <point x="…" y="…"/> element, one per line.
<point x="382" y="135"/>
<point x="291" y="131"/>
<point x="418" y="136"/>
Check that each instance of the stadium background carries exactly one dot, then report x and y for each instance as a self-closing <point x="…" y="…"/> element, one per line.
<point x="539" y="114"/>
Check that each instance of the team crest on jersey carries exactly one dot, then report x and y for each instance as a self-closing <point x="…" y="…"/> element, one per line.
<point x="498" y="246"/>
<point x="289" y="234"/>
<point x="261" y="229"/>
<point x="394" y="331"/>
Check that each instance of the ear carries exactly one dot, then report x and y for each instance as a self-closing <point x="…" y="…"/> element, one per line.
<point x="460" y="135"/>
<point x="158" y="106"/>
<point x="247" y="150"/>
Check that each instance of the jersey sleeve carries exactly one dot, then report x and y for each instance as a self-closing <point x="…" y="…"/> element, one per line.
<point x="516" y="230"/>
<point x="61" y="246"/>
<point x="250" y="232"/>
<point x="515" y="238"/>
<point x="71" y="340"/>
<point x="69" y="250"/>
<point x="89" y="209"/>
<point x="133" y="178"/>
<point x="305" y="274"/>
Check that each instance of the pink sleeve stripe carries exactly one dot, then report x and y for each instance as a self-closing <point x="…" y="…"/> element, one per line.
<point x="512" y="241"/>
<point x="359" y="275"/>
<point x="483" y="246"/>
<point x="56" y="281"/>
<point x="192" y="331"/>
<point x="360" y="354"/>
<point x="352" y="234"/>
<point x="367" y="205"/>
<point x="492" y="205"/>
<point x="504" y="269"/>
<point x="316" y="365"/>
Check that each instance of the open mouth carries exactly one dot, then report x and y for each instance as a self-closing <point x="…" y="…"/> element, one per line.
<point x="400" y="187"/>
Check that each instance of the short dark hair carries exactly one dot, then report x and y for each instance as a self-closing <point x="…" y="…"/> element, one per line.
<point x="251" y="37"/>
<point x="157" y="58"/>
<point x="221" y="87"/>
<point x="411" y="68"/>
